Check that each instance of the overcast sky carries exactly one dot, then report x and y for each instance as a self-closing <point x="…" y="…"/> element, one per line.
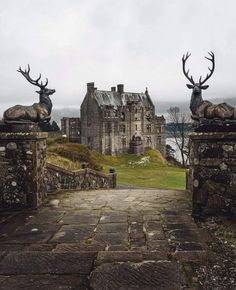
<point x="136" y="42"/>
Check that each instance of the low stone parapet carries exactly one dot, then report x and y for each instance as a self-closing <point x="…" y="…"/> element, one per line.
<point x="212" y="175"/>
<point x="83" y="179"/>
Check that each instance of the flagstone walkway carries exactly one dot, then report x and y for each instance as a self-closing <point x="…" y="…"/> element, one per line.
<point x="102" y="240"/>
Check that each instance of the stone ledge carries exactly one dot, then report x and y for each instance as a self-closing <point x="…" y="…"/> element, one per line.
<point x="76" y="172"/>
<point x="213" y="135"/>
<point x="23" y="135"/>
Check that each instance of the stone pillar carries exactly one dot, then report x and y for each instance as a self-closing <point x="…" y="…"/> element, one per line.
<point x="113" y="177"/>
<point x="22" y="169"/>
<point x="212" y="174"/>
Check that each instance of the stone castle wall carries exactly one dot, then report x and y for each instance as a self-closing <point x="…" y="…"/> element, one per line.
<point x="84" y="179"/>
<point x="212" y="174"/>
<point x="22" y="169"/>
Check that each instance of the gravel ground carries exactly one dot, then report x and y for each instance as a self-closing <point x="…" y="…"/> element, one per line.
<point x="220" y="272"/>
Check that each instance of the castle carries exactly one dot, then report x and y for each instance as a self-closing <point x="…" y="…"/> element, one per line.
<point x="115" y="122"/>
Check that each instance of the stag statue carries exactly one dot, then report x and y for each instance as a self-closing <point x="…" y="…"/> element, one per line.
<point x="205" y="110"/>
<point x="38" y="112"/>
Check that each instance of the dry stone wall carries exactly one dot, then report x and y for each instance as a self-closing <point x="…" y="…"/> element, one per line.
<point x="84" y="179"/>
<point x="212" y="174"/>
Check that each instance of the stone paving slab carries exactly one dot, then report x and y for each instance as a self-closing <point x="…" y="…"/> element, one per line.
<point x="119" y="239"/>
<point x="42" y="282"/>
<point x="145" y="275"/>
<point x="47" y="263"/>
<point x="129" y="256"/>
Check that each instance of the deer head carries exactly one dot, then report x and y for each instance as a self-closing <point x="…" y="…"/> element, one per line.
<point x="197" y="88"/>
<point x="43" y="89"/>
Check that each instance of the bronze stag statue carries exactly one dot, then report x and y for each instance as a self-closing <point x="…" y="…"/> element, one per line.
<point x="205" y="110"/>
<point x="38" y="112"/>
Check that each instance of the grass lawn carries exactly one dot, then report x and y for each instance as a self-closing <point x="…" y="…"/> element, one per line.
<point x="151" y="176"/>
<point x="148" y="170"/>
<point x="155" y="174"/>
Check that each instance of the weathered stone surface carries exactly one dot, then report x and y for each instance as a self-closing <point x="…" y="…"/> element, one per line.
<point x="83" y="246"/>
<point x="160" y="275"/>
<point x="34" y="233"/>
<point x="211" y="180"/>
<point x="80" y="219"/>
<point x="72" y="234"/>
<point x="22" y="169"/>
<point x="47" y="263"/>
<point x="112" y="238"/>
<point x="42" y="282"/>
<point x="134" y="235"/>
<point x="62" y="179"/>
<point x="112" y="228"/>
<point x="114" y="218"/>
<point x="128" y="256"/>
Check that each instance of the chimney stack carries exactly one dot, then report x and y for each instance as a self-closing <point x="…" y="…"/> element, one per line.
<point x="90" y="87"/>
<point x="120" y="88"/>
<point x="113" y="89"/>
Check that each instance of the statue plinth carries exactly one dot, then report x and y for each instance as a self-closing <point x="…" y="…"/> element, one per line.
<point x="212" y="174"/>
<point x="215" y="125"/>
<point x="22" y="168"/>
<point x="19" y="127"/>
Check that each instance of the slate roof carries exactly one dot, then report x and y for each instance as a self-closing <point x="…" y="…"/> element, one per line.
<point x="110" y="98"/>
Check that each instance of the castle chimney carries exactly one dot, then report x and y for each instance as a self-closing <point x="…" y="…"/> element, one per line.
<point x="90" y="87"/>
<point x="120" y="88"/>
<point x="113" y="89"/>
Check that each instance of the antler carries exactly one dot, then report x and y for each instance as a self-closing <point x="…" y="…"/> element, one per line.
<point x="33" y="82"/>
<point x="184" y="59"/>
<point x="211" y="59"/>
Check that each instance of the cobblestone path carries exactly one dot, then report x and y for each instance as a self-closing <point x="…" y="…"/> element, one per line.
<point x="122" y="239"/>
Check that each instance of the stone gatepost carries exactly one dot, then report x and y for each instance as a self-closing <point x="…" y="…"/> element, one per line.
<point x="212" y="174"/>
<point x="22" y="169"/>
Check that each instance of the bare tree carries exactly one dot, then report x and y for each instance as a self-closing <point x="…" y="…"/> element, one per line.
<point x="178" y="128"/>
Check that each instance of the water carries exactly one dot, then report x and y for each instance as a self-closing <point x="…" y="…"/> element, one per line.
<point x="171" y="142"/>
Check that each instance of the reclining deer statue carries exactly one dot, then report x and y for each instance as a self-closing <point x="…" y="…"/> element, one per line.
<point x="38" y="112"/>
<point x="204" y="109"/>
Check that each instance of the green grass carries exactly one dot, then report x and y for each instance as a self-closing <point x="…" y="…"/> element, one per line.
<point x="153" y="176"/>
<point x="156" y="173"/>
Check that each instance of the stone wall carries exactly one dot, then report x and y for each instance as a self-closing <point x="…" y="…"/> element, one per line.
<point x="212" y="174"/>
<point x="61" y="179"/>
<point x="22" y="169"/>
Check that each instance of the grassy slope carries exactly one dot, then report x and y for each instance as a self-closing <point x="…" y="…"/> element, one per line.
<point x="156" y="173"/>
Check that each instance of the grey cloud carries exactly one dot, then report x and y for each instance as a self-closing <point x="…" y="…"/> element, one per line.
<point x="137" y="42"/>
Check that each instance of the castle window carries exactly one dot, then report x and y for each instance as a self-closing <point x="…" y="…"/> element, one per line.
<point x="149" y="128"/>
<point x="123" y="141"/>
<point x="136" y="127"/>
<point x="122" y="128"/>
<point x="149" y="141"/>
<point x="122" y="116"/>
<point x="107" y="127"/>
<point x="136" y="110"/>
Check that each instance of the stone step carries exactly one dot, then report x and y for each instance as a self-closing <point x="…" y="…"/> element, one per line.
<point x="38" y="262"/>
<point x="149" y="275"/>
<point x="129" y="256"/>
<point x="42" y="282"/>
